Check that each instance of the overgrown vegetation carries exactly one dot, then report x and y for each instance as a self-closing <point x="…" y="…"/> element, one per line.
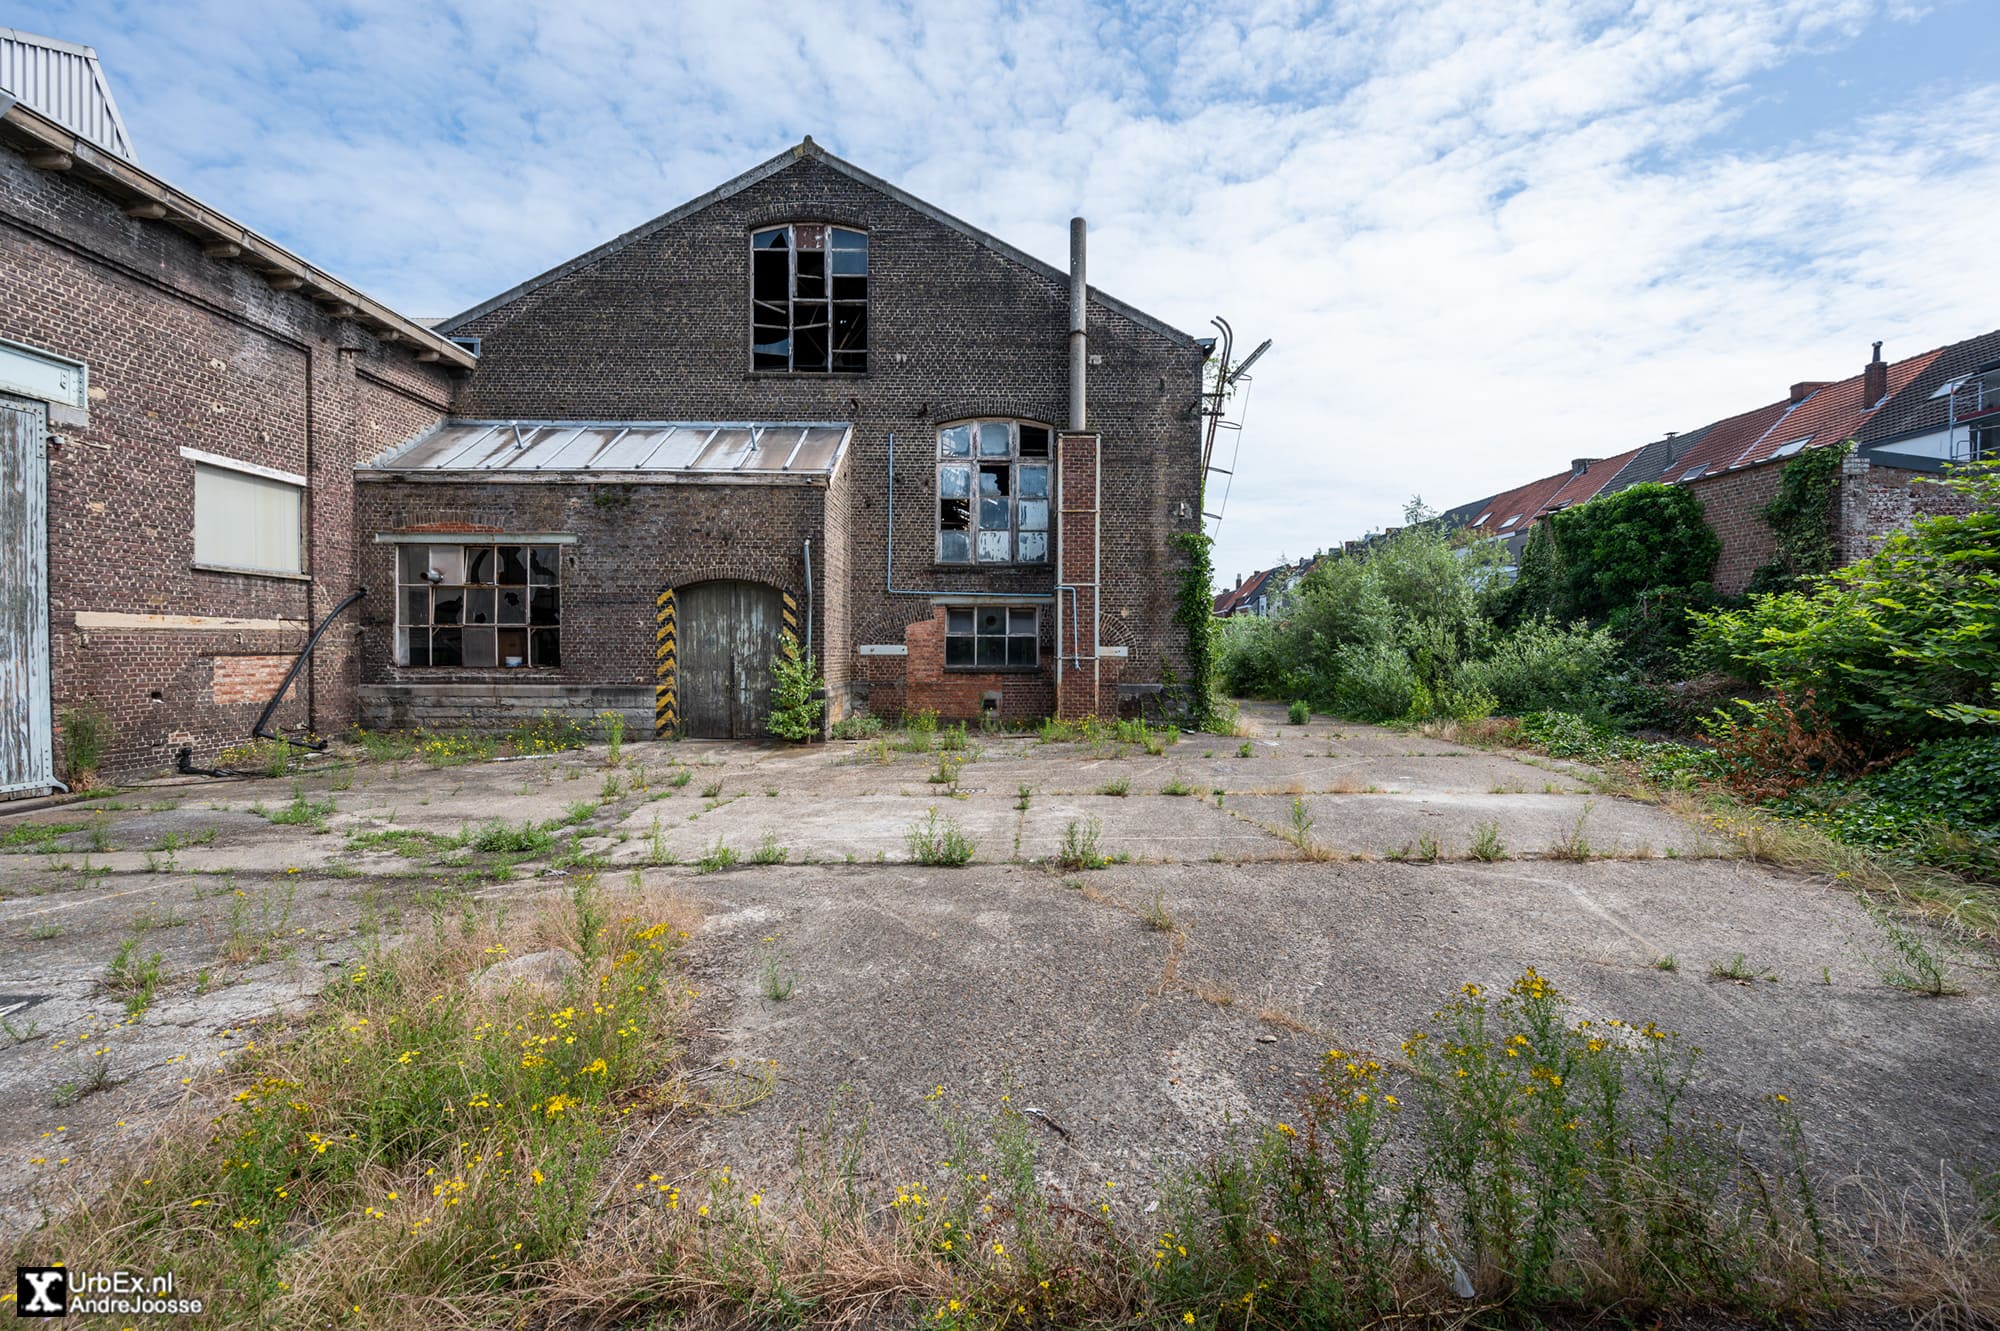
<point x="798" y="692"/>
<point x="86" y="736"/>
<point x="424" y="1143"/>
<point x="1862" y="701"/>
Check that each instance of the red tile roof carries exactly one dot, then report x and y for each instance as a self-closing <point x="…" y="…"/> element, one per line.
<point x="1832" y="414"/>
<point x="1237" y="597"/>
<point x="1528" y="503"/>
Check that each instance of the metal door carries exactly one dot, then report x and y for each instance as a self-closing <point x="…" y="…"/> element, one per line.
<point x="728" y="634"/>
<point x="27" y="749"/>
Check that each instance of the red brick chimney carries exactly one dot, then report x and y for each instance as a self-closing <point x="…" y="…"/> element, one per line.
<point x="1874" y="379"/>
<point x="1802" y="391"/>
<point x="1578" y="466"/>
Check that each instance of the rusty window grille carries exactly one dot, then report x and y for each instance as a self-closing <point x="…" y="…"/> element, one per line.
<point x="495" y="606"/>
<point x="809" y="299"/>
<point x="993" y="493"/>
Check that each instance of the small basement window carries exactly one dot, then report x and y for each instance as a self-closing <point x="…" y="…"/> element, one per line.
<point x="809" y="299"/>
<point x="248" y="522"/>
<point x="992" y="638"/>
<point x="993" y="493"/>
<point x="482" y="606"/>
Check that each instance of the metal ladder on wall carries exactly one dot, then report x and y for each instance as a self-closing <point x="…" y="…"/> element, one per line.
<point x="1215" y="411"/>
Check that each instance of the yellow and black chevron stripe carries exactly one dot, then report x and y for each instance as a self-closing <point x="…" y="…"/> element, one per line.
<point x="791" y="615"/>
<point x="666" y="703"/>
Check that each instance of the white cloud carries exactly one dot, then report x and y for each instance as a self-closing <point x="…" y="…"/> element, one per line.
<point x="1486" y="238"/>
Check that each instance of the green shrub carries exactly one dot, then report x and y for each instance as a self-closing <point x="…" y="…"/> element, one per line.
<point x="86" y="734"/>
<point x="1374" y="683"/>
<point x="1600" y="557"/>
<point x="798" y="692"/>
<point x="862" y="725"/>
<point x="1896" y="647"/>
<point x="1939" y="806"/>
<point x="1540" y="667"/>
<point x="1299" y="712"/>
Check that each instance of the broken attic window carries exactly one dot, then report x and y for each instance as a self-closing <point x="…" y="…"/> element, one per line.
<point x="478" y="606"/>
<point x="809" y="299"/>
<point x="1007" y="521"/>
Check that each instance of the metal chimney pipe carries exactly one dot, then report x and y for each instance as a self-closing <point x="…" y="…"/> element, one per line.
<point x="1078" y="348"/>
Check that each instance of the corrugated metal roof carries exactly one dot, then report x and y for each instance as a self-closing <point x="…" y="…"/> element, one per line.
<point x="751" y="450"/>
<point x="66" y="83"/>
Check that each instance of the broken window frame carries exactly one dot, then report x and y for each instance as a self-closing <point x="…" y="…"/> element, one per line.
<point x="818" y="322"/>
<point x="966" y="456"/>
<point x="1018" y="635"/>
<point x="447" y="582"/>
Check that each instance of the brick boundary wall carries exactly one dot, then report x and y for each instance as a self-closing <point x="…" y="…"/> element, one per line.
<point x="1876" y="500"/>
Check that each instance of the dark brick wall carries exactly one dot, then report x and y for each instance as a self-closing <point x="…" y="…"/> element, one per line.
<point x="1734" y="503"/>
<point x="631" y="541"/>
<point x="660" y="330"/>
<point x="185" y="351"/>
<point x="1877" y="500"/>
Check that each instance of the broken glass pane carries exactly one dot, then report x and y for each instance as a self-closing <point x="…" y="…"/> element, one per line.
<point x="996" y="439"/>
<point x="993" y="514"/>
<point x="811" y="276"/>
<point x="992" y="621"/>
<point x="544" y="648"/>
<point x="513" y="606"/>
<point x="994" y="480"/>
<point x="954" y="547"/>
<point x="1034" y="482"/>
<point x="774" y="239"/>
<point x="1034" y="441"/>
<point x="542" y="606"/>
<point x="542" y="560"/>
<point x="479" y="564"/>
<point x="954" y="514"/>
<point x="446" y="648"/>
<point x="955" y="441"/>
<point x="479" y="648"/>
<point x="513" y="648"/>
<point x="809" y="340"/>
<point x="995" y="546"/>
<point x="478" y="606"/>
<point x="513" y="564"/>
<point x="770" y="274"/>
<point x="416" y="605"/>
<point x="1034" y="514"/>
<point x="413" y="647"/>
<point x="850" y="327"/>
<point x="1034" y="547"/>
<point x="447" y="603"/>
<point x="958" y="651"/>
<point x="848" y="288"/>
<point x="958" y="621"/>
<point x="447" y="564"/>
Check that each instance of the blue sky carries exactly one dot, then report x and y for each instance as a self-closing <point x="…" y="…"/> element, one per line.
<point x="1486" y="237"/>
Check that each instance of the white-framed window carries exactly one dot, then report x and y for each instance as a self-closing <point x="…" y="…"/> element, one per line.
<point x="809" y="299"/>
<point x="993" y="493"/>
<point x="992" y="637"/>
<point x="247" y="519"/>
<point x="494" y="605"/>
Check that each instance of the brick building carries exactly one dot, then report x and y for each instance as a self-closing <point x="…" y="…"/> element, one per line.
<point x="182" y="405"/>
<point x="701" y="431"/>
<point x="1908" y="420"/>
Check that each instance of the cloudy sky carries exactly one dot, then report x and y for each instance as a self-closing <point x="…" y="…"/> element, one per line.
<point x="1485" y="236"/>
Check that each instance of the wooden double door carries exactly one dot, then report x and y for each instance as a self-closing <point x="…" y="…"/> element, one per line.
<point x="728" y="634"/>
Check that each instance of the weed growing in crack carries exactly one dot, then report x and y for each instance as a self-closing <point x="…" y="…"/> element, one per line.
<point x="769" y="851"/>
<point x="1486" y="842"/>
<point x="1078" y="849"/>
<point x="1156" y="916"/>
<point x="717" y="856"/>
<point x="1739" y="970"/>
<point x="1120" y="787"/>
<point x="1574" y="845"/>
<point x="1914" y="963"/>
<point x="938" y="842"/>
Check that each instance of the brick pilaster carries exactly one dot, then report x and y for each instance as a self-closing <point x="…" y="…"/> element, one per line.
<point x="1078" y="680"/>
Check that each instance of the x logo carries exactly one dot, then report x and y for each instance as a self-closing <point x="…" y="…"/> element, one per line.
<point x="41" y="1291"/>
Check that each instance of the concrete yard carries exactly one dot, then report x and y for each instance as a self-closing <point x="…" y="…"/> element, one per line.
<point x="1144" y="1008"/>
